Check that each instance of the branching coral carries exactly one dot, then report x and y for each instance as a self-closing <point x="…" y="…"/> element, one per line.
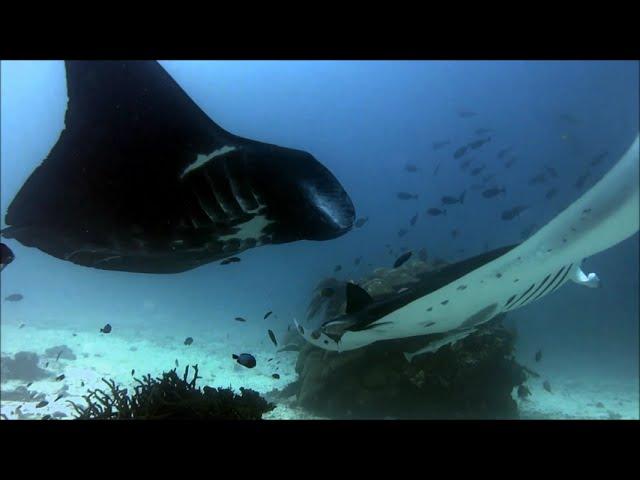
<point x="172" y="397"/>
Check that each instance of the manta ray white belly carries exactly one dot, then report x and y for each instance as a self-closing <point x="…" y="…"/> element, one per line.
<point x="604" y="216"/>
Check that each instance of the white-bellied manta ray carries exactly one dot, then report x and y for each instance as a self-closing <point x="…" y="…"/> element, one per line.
<point x="454" y="300"/>
<point x="142" y="180"/>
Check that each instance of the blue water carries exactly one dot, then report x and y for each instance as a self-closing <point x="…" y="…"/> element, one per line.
<point x="364" y="121"/>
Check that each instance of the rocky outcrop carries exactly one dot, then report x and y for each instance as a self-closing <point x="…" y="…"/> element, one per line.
<point x="23" y="366"/>
<point x="470" y="379"/>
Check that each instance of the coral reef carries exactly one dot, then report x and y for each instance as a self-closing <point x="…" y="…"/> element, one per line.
<point x="60" y="351"/>
<point x="472" y="378"/>
<point x="172" y="397"/>
<point x="23" y="366"/>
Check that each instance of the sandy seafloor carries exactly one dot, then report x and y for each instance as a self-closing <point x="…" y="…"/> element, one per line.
<point x="114" y="356"/>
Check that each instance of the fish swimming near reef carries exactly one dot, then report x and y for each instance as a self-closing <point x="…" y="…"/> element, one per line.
<point x="142" y="180"/>
<point x="245" y="359"/>
<point x="434" y="212"/>
<point x="14" y="297"/>
<point x="498" y="281"/>
<point x="401" y="259"/>
<point x="449" y="200"/>
<point x="106" y="328"/>
<point x="406" y="196"/>
<point x="493" y="191"/>
<point x="513" y="212"/>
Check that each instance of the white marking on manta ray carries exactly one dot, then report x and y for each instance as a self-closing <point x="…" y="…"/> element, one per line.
<point x="321" y="202"/>
<point x="533" y="269"/>
<point x="204" y="159"/>
<point x="251" y="229"/>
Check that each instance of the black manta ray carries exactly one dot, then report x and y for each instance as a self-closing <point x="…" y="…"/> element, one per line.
<point x="142" y="180"/>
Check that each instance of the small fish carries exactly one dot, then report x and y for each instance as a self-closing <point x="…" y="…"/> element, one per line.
<point x="513" y="212"/>
<point x="42" y="403"/>
<point x="266" y="315"/>
<point x="547" y="386"/>
<point x="29" y="384"/>
<point x="423" y="255"/>
<point x="466" y="114"/>
<point x="454" y="233"/>
<point x="276" y="376"/>
<point x="245" y="359"/>
<point x="510" y="162"/>
<point x="229" y="260"/>
<point x="268" y="360"/>
<point x="436" y="211"/>
<point x="406" y="196"/>
<point x="58" y="356"/>
<point x="523" y="392"/>
<point x="106" y="329"/>
<point x="411" y="168"/>
<point x="478" y="143"/>
<point x="413" y="220"/>
<point x="6" y="256"/>
<point x="188" y="341"/>
<point x="59" y="397"/>
<point x="292" y="347"/>
<point x="337" y="268"/>
<point x="74" y="334"/>
<point x="133" y="372"/>
<point x="240" y="319"/>
<point x="361" y="221"/>
<point x="14" y="297"/>
<point x="598" y="158"/>
<point x="460" y="151"/>
<point x="81" y="383"/>
<point x="401" y="259"/>
<point x="538" y="356"/>
<point x="60" y="378"/>
<point x="581" y="180"/>
<point x="537" y="179"/>
<point x="46" y="365"/>
<point x="327" y="292"/>
<point x="551" y="193"/>
<point x="552" y="171"/>
<point x="21" y="325"/>
<point x="357" y="260"/>
<point x="402" y="232"/>
<point x="176" y="362"/>
<point x="437" y="145"/>
<point x="493" y="191"/>
<point x="449" y="200"/>
<point x="437" y="169"/>
<point x="477" y="170"/>
<point x="272" y="336"/>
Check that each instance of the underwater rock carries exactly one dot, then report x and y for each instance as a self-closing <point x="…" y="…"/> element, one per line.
<point x="23" y="366"/>
<point x="473" y="378"/>
<point x="22" y="394"/>
<point x="61" y="351"/>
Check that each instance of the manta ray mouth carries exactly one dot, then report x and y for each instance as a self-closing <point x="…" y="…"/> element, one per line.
<point x="142" y="180"/>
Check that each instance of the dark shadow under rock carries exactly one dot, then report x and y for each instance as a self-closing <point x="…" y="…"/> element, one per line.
<point x="24" y="366"/>
<point x="473" y="378"/>
<point x="61" y="351"/>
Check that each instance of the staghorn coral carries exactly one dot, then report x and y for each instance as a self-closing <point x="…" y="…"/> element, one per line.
<point x="171" y="397"/>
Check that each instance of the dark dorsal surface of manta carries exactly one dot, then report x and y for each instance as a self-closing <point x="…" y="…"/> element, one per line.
<point x="142" y="180"/>
<point x="362" y="311"/>
<point x="462" y="296"/>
